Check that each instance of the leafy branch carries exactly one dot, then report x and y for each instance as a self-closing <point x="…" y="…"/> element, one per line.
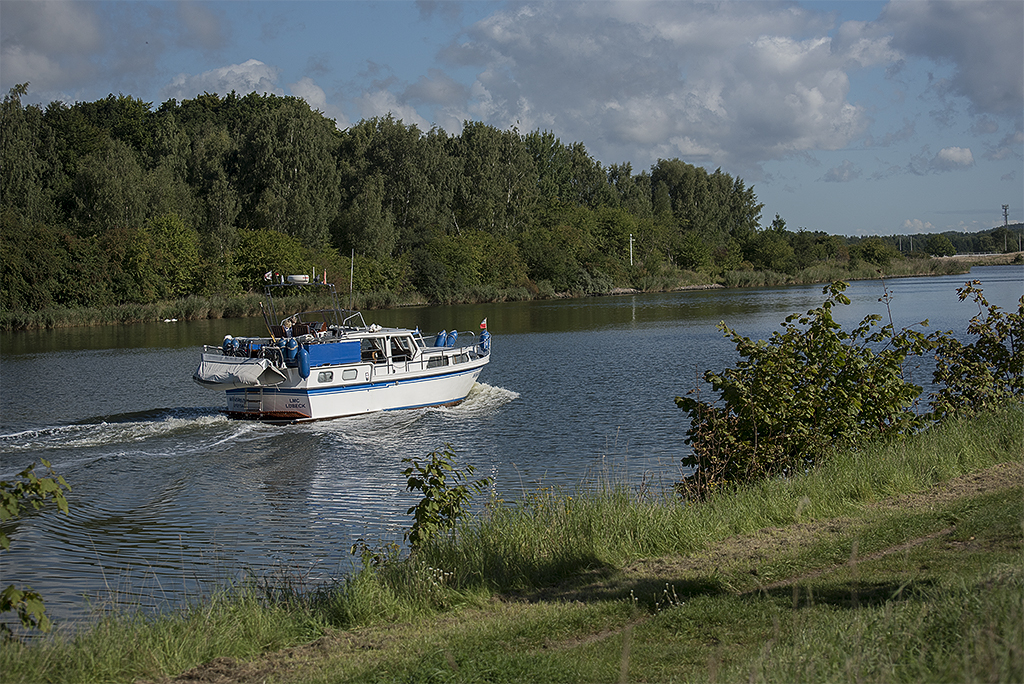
<point x="446" y="491"/>
<point x="33" y="491"/>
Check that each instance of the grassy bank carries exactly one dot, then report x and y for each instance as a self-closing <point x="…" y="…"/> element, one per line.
<point x="248" y="305"/>
<point x="893" y="562"/>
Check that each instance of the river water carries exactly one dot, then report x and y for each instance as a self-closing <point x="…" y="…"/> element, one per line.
<point x="170" y="499"/>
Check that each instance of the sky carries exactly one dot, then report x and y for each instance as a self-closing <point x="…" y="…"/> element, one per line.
<point x="850" y="117"/>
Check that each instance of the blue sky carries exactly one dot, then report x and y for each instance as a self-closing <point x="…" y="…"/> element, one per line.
<point x="854" y="118"/>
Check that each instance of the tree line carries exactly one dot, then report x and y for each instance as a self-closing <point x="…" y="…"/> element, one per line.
<point x="113" y="201"/>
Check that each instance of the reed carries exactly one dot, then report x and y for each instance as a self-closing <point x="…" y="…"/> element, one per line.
<point x="754" y="279"/>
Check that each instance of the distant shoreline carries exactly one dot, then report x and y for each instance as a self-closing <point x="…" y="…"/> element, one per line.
<point x="985" y="259"/>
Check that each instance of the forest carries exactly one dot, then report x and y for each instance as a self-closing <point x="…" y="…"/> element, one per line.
<point x="113" y="202"/>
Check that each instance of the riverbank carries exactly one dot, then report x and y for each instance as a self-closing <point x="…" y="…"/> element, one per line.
<point x="891" y="562"/>
<point x="986" y="259"/>
<point x="249" y="305"/>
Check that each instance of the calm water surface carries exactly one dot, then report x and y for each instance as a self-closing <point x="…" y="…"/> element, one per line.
<point x="170" y="498"/>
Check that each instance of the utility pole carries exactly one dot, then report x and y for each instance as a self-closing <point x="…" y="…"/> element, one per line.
<point x="630" y="249"/>
<point x="1006" y="222"/>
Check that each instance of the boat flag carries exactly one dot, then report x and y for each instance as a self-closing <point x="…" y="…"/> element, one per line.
<point x="483" y="324"/>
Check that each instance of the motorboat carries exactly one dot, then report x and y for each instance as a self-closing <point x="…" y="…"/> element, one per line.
<point x="328" y="363"/>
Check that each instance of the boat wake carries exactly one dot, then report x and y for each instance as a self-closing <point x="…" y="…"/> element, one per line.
<point x="398" y="430"/>
<point x="482" y="399"/>
<point x="111" y="430"/>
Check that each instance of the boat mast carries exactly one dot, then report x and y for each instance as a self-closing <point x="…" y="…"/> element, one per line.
<point x="351" y="275"/>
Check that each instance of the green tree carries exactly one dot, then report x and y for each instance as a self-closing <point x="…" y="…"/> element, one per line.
<point x="123" y="118"/>
<point x="987" y="371"/>
<point x="395" y="180"/>
<point x="108" y="190"/>
<point x="693" y="253"/>
<point x="940" y="245"/>
<point x="174" y="255"/>
<point x="26" y="158"/>
<point x="771" y="250"/>
<point x="875" y="251"/>
<point x="1003" y="239"/>
<point x="369" y="224"/>
<point x="500" y="191"/>
<point x="288" y="176"/>
<point x="260" y="251"/>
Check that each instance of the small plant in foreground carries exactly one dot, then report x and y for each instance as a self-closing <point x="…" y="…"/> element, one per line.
<point x="29" y="490"/>
<point x="446" y="493"/>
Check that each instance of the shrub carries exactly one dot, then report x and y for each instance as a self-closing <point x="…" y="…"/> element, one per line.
<point x="979" y="375"/>
<point x="793" y="397"/>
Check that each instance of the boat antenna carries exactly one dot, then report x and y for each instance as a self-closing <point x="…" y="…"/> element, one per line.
<point x="351" y="275"/>
<point x="266" y="322"/>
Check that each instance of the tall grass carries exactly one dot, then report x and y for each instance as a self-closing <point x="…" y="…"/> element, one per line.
<point x="126" y="646"/>
<point x="547" y="537"/>
<point x="754" y="279"/>
<point x="827" y="272"/>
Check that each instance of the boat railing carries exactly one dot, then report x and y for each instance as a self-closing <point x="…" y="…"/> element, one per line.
<point x="451" y="339"/>
<point x="248" y="348"/>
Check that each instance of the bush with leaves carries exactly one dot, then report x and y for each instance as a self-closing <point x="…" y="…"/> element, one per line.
<point x="29" y="490"/>
<point x="794" y="396"/>
<point x="986" y="372"/>
<point x="446" y="490"/>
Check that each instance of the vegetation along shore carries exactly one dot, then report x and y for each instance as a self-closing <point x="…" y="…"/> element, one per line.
<point x="114" y="211"/>
<point x="841" y="532"/>
<point x="892" y="562"/>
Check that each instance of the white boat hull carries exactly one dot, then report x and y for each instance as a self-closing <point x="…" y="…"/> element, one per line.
<point x="373" y="389"/>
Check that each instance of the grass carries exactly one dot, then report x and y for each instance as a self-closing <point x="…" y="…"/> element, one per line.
<point x="893" y="562"/>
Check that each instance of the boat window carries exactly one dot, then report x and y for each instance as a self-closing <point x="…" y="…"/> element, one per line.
<point x="401" y="348"/>
<point x="435" y="361"/>
<point x="371" y="349"/>
<point x="349" y="374"/>
<point x="325" y="376"/>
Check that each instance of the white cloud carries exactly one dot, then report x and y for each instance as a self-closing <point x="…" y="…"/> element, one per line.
<point x="252" y="76"/>
<point x="982" y="41"/>
<point x="316" y="98"/>
<point x="723" y="83"/>
<point x="845" y="172"/>
<point x="952" y="159"/>
<point x="917" y="226"/>
<point x="383" y="102"/>
<point x="437" y="88"/>
<point x="48" y="44"/>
